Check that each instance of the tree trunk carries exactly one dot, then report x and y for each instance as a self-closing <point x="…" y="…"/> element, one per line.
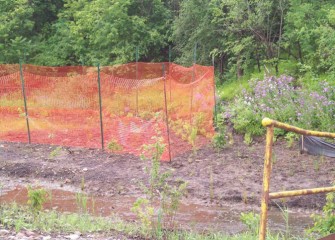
<point x="239" y="68"/>
<point x="300" y="53"/>
<point x="258" y="62"/>
<point x="276" y="67"/>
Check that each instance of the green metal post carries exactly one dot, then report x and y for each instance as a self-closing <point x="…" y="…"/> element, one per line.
<point x="82" y="65"/>
<point x="169" y="72"/>
<point x="169" y="53"/>
<point x="214" y="88"/>
<point x="193" y="79"/>
<point x="195" y="54"/>
<point x="100" y="109"/>
<point x="166" y="113"/>
<point x="136" y="80"/>
<point x="25" y="102"/>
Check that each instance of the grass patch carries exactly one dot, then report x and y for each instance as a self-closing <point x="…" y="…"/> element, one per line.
<point x="228" y="90"/>
<point x="17" y="217"/>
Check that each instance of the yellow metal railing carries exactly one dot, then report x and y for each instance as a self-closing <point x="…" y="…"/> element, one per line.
<point x="266" y="195"/>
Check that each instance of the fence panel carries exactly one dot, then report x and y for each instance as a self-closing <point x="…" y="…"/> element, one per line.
<point x="13" y="126"/>
<point x="138" y="102"/>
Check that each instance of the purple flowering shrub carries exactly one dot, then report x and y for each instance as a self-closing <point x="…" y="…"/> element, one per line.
<point x="278" y="98"/>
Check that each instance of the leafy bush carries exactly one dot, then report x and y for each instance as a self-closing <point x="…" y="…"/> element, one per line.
<point x="282" y="99"/>
<point x="157" y="190"/>
<point x="219" y="140"/>
<point x="36" y="199"/>
<point x="325" y="224"/>
<point x="251" y="220"/>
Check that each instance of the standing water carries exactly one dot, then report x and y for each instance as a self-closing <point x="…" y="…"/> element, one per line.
<point x="190" y="215"/>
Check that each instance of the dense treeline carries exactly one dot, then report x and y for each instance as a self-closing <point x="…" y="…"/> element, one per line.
<point x="240" y="35"/>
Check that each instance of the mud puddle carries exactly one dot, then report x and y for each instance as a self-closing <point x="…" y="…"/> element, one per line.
<point x="190" y="215"/>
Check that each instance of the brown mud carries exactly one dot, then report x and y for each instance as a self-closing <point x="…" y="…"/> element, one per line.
<point x="221" y="184"/>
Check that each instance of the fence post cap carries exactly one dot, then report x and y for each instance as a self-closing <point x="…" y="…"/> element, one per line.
<point x="267" y="122"/>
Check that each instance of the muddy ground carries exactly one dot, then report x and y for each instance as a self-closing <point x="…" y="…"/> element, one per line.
<point x="231" y="177"/>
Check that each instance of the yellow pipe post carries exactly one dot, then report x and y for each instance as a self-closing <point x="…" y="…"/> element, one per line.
<point x="266" y="196"/>
<point x="266" y="182"/>
<point x="268" y="122"/>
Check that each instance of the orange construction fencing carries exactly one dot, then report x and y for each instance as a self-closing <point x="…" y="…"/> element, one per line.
<point x="118" y="108"/>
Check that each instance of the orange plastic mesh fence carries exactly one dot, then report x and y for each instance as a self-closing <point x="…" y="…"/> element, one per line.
<point x="138" y="100"/>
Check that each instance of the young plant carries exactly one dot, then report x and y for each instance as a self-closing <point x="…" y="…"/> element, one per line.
<point x="291" y="138"/>
<point x="55" y="152"/>
<point x="251" y="220"/>
<point x="160" y="198"/>
<point x="219" y="140"/>
<point x="248" y="139"/>
<point x="114" y="146"/>
<point x="36" y="199"/>
<point x="82" y="199"/>
<point x="285" y="215"/>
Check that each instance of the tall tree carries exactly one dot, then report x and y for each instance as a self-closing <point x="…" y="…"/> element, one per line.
<point x="107" y="31"/>
<point x="309" y="33"/>
<point x="238" y="32"/>
<point x="194" y="27"/>
<point x="16" y="27"/>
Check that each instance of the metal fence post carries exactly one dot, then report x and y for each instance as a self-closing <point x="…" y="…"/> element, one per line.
<point x="170" y="80"/>
<point x="166" y="113"/>
<point x="25" y="101"/>
<point x="193" y="79"/>
<point x="100" y="109"/>
<point x="136" y="81"/>
<point x="214" y="89"/>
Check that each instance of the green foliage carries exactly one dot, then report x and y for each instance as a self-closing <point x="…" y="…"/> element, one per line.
<point x="55" y="152"/>
<point x="20" y="217"/>
<point x="16" y="26"/>
<point x="36" y="199"/>
<point x="309" y="43"/>
<point x="245" y="120"/>
<point x="113" y="146"/>
<point x="192" y="27"/>
<point x="325" y="224"/>
<point x="248" y="138"/>
<point x="106" y="32"/>
<point x="145" y="212"/>
<point x="229" y="89"/>
<point x="242" y="36"/>
<point x="157" y="191"/>
<point x="279" y="98"/>
<point x="291" y="137"/>
<point x="251" y="220"/>
<point x="220" y="139"/>
<point x="189" y="130"/>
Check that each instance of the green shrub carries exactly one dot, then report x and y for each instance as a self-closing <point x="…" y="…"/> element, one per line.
<point x="220" y="139"/>
<point x="36" y="199"/>
<point x="114" y="146"/>
<point x="157" y="190"/>
<point x="325" y="224"/>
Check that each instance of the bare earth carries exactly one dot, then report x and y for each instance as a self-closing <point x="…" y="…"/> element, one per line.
<point x="230" y="179"/>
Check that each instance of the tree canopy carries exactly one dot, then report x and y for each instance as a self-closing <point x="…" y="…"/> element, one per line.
<point x="240" y="35"/>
